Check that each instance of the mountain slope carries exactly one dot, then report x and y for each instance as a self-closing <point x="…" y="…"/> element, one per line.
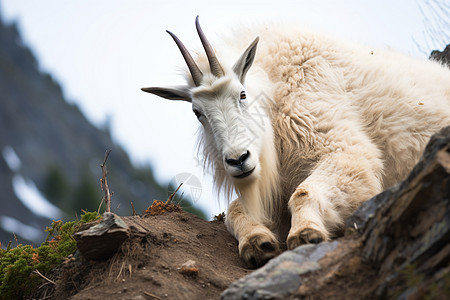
<point x="50" y="151"/>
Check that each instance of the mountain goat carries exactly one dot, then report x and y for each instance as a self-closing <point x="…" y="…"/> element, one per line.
<point x="314" y="128"/>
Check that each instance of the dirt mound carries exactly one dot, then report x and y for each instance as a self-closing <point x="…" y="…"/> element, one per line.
<point x="180" y="256"/>
<point x="159" y="207"/>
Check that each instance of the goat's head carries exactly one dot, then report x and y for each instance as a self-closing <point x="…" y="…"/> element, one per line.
<point x="221" y="105"/>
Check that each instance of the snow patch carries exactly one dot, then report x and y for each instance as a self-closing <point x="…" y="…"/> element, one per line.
<point x="18" y="228"/>
<point x="11" y="158"/>
<point x="31" y="197"/>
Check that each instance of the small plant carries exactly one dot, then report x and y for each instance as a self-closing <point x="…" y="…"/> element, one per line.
<point x="219" y="218"/>
<point x="21" y="267"/>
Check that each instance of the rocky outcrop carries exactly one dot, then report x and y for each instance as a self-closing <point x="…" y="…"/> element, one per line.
<point x="397" y="245"/>
<point x="275" y="280"/>
<point x="442" y="56"/>
<point x="103" y="239"/>
<point x="408" y="236"/>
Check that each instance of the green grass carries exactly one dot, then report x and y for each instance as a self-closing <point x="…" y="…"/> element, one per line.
<point x="18" y="265"/>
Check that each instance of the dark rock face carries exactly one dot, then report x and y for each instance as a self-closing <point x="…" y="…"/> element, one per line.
<point x="399" y="250"/>
<point x="442" y="56"/>
<point x="409" y="234"/>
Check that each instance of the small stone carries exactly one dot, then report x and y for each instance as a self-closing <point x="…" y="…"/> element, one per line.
<point x="104" y="239"/>
<point x="189" y="268"/>
<point x="189" y="264"/>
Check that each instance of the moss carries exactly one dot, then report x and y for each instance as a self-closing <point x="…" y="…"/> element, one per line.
<point x="17" y="265"/>
<point x="440" y="289"/>
<point x="435" y="286"/>
<point x="89" y="217"/>
<point x="411" y="278"/>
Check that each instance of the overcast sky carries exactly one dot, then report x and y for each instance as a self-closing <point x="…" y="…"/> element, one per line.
<point x="103" y="52"/>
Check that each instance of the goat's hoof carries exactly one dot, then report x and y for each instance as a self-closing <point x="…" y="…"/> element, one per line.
<point x="257" y="250"/>
<point x="305" y="236"/>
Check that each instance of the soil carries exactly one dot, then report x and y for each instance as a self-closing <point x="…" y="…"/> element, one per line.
<point x="154" y="266"/>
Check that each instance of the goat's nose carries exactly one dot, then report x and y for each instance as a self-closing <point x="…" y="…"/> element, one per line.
<point x="240" y="161"/>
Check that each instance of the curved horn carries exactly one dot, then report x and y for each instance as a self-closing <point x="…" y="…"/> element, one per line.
<point x="196" y="74"/>
<point x="214" y="64"/>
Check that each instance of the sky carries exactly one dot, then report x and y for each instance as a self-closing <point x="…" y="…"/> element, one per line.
<point x="103" y="51"/>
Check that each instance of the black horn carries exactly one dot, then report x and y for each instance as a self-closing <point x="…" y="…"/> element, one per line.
<point x="214" y="64"/>
<point x="196" y="74"/>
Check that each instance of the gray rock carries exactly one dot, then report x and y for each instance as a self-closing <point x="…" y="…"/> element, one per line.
<point x="104" y="239"/>
<point x="407" y="239"/>
<point x="442" y="56"/>
<point x="280" y="277"/>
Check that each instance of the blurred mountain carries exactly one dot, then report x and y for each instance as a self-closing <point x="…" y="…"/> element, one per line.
<point x="50" y="155"/>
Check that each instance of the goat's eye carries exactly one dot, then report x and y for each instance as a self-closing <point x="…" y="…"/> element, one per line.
<point x="243" y="96"/>
<point x="197" y="113"/>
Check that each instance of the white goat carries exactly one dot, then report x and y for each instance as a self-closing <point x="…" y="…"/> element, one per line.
<point x="316" y="127"/>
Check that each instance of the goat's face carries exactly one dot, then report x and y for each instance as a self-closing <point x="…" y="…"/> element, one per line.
<point x="222" y="106"/>
<point x="230" y="132"/>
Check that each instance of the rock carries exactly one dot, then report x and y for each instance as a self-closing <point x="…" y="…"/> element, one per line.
<point x="443" y="57"/>
<point x="104" y="239"/>
<point x="189" y="268"/>
<point x="367" y="210"/>
<point x="409" y="234"/>
<point x="189" y="264"/>
<point x="280" y="277"/>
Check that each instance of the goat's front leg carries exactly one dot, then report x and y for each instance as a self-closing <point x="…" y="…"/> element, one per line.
<point x="338" y="185"/>
<point x="257" y="243"/>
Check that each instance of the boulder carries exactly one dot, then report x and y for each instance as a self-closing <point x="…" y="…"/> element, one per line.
<point x="442" y="56"/>
<point x="103" y="239"/>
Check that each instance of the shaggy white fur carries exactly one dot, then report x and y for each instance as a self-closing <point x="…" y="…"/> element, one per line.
<point x="323" y="126"/>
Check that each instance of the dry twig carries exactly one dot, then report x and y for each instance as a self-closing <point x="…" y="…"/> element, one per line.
<point x="151" y="295"/>
<point x="101" y="202"/>
<point x="40" y="274"/>
<point x="120" y="271"/>
<point x="134" y="211"/>
<point x="173" y="194"/>
<point x="104" y="183"/>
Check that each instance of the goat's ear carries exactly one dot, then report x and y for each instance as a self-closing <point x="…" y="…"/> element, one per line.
<point x="173" y="93"/>
<point x="245" y="61"/>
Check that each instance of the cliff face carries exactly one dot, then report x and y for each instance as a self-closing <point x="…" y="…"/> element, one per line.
<point x="48" y="150"/>
<point x="442" y="56"/>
